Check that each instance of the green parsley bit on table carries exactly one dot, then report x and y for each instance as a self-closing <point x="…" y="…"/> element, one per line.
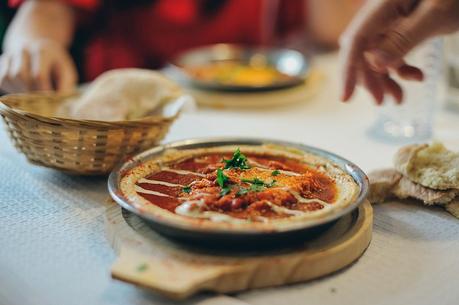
<point x="142" y="267"/>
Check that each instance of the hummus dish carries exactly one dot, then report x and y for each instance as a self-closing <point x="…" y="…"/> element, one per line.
<point x="237" y="188"/>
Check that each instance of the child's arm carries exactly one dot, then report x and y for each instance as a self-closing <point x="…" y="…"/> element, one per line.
<point x="35" y="48"/>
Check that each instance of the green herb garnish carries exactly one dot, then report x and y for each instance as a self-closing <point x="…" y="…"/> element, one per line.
<point x="222" y="181"/>
<point x="275" y="172"/>
<point x="259" y="182"/>
<point x="242" y="191"/>
<point x="256" y="185"/>
<point x="256" y="188"/>
<point x="238" y="160"/>
<point x="186" y="189"/>
<point x="271" y="184"/>
<point x="225" y="190"/>
<point x="142" y="267"/>
<point x="254" y="181"/>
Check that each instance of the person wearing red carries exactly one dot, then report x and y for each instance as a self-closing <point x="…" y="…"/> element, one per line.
<point x="110" y="34"/>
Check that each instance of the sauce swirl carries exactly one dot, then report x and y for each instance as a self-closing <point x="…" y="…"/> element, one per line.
<point x="271" y="187"/>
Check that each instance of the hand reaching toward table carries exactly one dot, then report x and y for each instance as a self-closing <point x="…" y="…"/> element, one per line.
<point x="37" y="65"/>
<point x="374" y="45"/>
<point x="36" y="55"/>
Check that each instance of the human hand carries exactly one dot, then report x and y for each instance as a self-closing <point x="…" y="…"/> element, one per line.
<point x="374" y="45"/>
<point x="37" y="65"/>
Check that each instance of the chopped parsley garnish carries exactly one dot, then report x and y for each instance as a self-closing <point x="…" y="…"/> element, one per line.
<point x="186" y="189"/>
<point x="275" y="172"/>
<point x="225" y="190"/>
<point x="142" y="267"/>
<point x="259" y="182"/>
<point x="238" y="160"/>
<point x="256" y="185"/>
<point x="270" y="184"/>
<point x="254" y="181"/>
<point x="222" y="181"/>
<point x="242" y="191"/>
<point x="256" y="188"/>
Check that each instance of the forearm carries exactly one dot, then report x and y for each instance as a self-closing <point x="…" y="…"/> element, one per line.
<point x="37" y="20"/>
<point x="328" y="18"/>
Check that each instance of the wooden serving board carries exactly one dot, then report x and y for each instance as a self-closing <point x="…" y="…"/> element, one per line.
<point x="147" y="259"/>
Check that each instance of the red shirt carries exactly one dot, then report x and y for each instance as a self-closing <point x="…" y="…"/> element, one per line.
<point x="150" y="33"/>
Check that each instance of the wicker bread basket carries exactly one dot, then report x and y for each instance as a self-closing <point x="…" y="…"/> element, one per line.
<point x="84" y="147"/>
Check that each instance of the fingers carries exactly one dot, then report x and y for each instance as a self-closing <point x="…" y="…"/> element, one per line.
<point x="373" y="83"/>
<point x="41" y="71"/>
<point x="410" y="73"/>
<point x="24" y="71"/>
<point x="14" y="72"/>
<point x="381" y="84"/>
<point x="377" y="41"/>
<point x="39" y="65"/>
<point x="350" y="64"/>
<point x="65" y="76"/>
<point x="19" y="71"/>
<point x="391" y="87"/>
<point x="403" y="70"/>
<point x="403" y="36"/>
<point x="5" y="83"/>
<point x="370" y="20"/>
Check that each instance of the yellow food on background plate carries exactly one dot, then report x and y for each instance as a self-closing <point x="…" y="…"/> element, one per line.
<point x="238" y="74"/>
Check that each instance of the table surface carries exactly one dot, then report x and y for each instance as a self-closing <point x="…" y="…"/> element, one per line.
<point x="52" y="241"/>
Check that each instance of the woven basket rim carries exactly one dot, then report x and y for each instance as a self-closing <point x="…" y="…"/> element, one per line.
<point x="5" y="107"/>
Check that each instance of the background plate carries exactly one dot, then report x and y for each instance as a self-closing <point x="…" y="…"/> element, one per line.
<point x="286" y="61"/>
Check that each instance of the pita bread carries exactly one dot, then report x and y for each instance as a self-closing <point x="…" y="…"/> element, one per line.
<point x="123" y="94"/>
<point x="406" y="188"/>
<point x="432" y="166"/>
<point x="388" y="183"/>
<point x="382" y="183"/>
<point x="453" y="208"/>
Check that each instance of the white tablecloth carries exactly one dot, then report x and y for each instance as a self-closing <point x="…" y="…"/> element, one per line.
<point x="53" y="248"/>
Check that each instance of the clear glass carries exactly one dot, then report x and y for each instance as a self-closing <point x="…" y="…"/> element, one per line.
<point x="452" y="72"/>
<point x="412" y="120"/>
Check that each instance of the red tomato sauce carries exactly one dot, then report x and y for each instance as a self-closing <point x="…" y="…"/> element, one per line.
<point x="250" y="193"/>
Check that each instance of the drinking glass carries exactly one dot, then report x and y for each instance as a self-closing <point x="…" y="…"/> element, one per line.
<point x="412" y="120"/>
<point x="452" y="72"/>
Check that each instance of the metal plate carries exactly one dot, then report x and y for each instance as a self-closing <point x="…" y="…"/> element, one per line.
<point x="308" y="229"/>
<point x="252" y="245"/>
<point x="287" y="61"/>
